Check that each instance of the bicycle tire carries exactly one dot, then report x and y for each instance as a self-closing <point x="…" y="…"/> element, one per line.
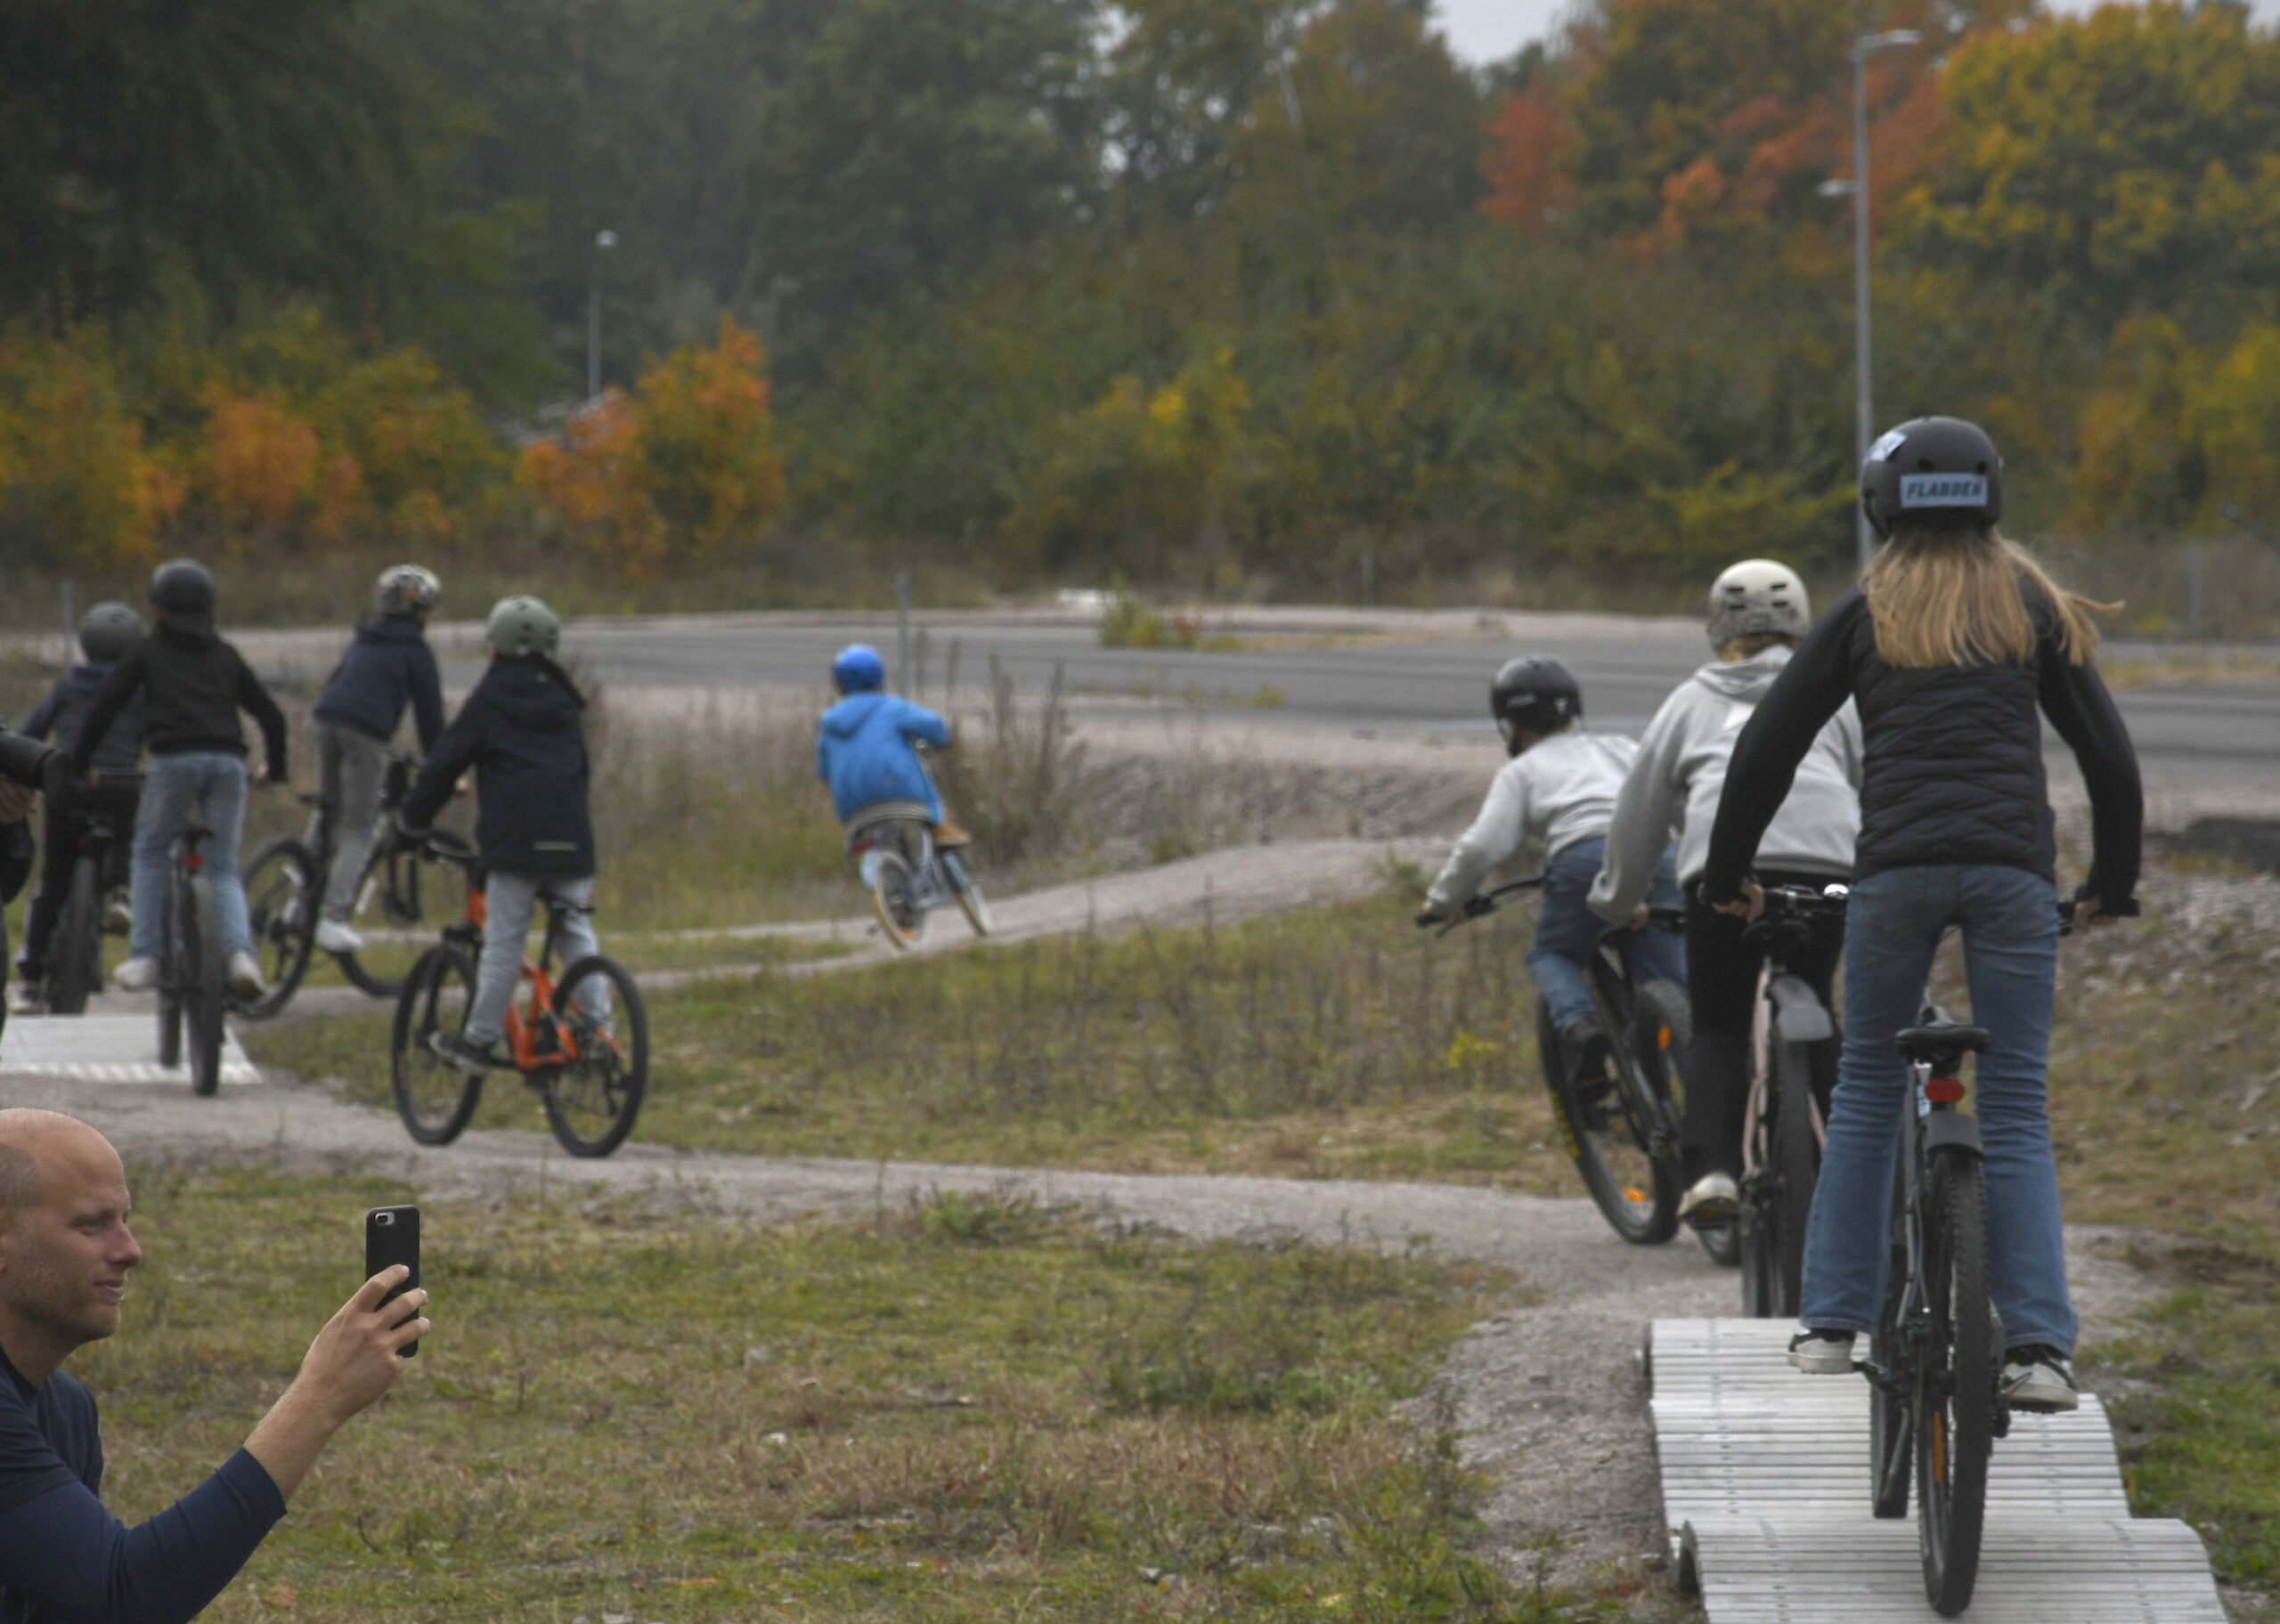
<point x="1635" y="1191"/>
<point x="396" y="892"/>
<point x="1891" y="1432"/>
<point x="172" y="955"/>
<point x="592" y="1102"/>
<point x="971" y="902"/>
<point x="208" y="991"/>
<point x="74" y="952"/>
<point x="1955" y="1416"/>
<point x="433" y="1110"/>
<point x="1796" y="1168"/>
<point x="903" y="925"/>
<point x="1664" y="1021"/>
<point x="283" y="888"/>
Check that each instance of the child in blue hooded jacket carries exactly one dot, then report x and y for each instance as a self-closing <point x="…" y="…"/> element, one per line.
<point x="866" y="746"/>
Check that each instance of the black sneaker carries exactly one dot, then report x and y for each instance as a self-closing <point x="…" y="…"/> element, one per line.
<point x="464" y="1054"/>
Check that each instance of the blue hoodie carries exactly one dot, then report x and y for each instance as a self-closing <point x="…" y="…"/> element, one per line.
<point x="863" y="751"/>
<point x="388" y="666"/>
<point x="65" y="709"/>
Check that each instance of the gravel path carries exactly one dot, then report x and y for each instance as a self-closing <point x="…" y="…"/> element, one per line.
<point x="1548" y="1398"/>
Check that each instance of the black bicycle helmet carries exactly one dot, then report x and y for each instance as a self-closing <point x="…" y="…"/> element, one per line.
<point x="108" y="631"/>
<point x="1932" y="474"/>
<point x="1538" y="694"/>
<point x="183" y="586"/>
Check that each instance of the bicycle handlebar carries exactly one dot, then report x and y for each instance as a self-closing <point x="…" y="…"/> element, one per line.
<point x="1489" y="901"/>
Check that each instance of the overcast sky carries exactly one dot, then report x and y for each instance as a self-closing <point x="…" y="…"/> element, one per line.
<point x="1487" y="31"/>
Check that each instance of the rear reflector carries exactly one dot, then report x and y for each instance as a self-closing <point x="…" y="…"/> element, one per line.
<point x="1943" y="1091"/>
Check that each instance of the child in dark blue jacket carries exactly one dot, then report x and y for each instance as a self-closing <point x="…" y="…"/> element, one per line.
<point x="388" y="667"/>
<point x="106" y="632"/>
<point x="866" y="745"/>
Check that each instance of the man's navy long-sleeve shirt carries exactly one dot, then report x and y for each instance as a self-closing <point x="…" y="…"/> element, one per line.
<point x="65" y="1560"/>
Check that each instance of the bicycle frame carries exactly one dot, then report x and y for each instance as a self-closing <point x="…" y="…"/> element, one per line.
<point x="522" y="1032"/>
<point x="1786" y="1004"/>
<point x="929" y="888"/>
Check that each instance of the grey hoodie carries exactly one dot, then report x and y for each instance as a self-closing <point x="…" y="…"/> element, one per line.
<point x="1673" y="788"/>
<point x="1559" y="791"/>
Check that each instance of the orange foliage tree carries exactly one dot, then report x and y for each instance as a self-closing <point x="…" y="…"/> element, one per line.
<point x="76" y="479"/>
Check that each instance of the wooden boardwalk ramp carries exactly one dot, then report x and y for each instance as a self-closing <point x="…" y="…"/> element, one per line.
<point x="1765" y="1489"/>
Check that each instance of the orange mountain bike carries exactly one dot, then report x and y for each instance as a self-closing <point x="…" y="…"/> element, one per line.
<point x="581" y="1043"/>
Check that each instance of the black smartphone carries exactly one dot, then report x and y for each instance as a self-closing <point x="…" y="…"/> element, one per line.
<point x="392" y="1237"/>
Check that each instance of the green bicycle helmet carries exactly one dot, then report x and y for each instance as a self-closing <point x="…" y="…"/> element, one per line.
<point x="521" y="626"/>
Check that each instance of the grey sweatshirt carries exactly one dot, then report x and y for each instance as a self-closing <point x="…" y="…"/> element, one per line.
<point x="1562" y="789"/>
<point x="1674" y="786"/>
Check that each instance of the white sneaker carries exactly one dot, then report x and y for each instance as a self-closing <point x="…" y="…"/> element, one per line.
<point x="137" y="976"/>
<point x="26" y="998"/>
<point x="337" y="935"/>
<point x="2038" y="1377"/>
<point x="1711" y="1198"/>
<point x="1822" y="1352"/>
<point x="245" y="976"/>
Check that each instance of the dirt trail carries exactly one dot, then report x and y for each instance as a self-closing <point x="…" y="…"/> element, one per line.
<point x="1548" y="1399"/>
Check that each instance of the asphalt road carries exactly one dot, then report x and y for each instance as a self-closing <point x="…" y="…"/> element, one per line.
<point x="1387" y="676"/>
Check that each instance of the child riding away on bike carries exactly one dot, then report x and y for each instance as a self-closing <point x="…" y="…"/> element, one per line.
<point x="1758" y="611"/>
<point x="866" y="746"/>
<point x="388" y="667"/>
<point x="523" y="731"/>
<point x="192" y="685"/>
<point x="1560" y="787"/>
<point x="106" y="632"/>
<point x="1951" y="644"/>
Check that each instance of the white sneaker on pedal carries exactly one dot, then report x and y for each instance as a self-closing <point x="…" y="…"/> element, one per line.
<point x="1712" y="1198"/>
<point x="137" y="976"/>
<point x="2038" y="1377"/>
<point x="337" y="935"/>
<point x="246" y="978"/>
<point x="26" y="998"/>
<point x="1822" y="1352"/>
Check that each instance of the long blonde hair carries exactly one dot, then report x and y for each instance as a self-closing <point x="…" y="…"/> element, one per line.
<point x="1956" y="598"/>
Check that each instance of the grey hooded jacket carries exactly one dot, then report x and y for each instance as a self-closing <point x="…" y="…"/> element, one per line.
<point x="1674" y="786"/>
<point x="1559" y="791"/>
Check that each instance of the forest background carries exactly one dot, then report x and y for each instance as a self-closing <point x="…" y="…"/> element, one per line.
<point x="1226" y="298"/>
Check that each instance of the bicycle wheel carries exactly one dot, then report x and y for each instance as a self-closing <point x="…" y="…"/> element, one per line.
<point x="971" y="901"/>
<point x="594" y="1092"/>
<point x="1955" y="1408"/>
<point x="75" y="952"/>
<point x="894" y="898"/>
<point x="1664" y="1035"/>
<point x="281" y="895"/>
<point x="1796" y="1167"/>
<point x="174" y="957"/>
<point x="203" y="992"/>
<point x="403" y="898"/>
<point x="434" y="1098"/>
<point x="1891" y="1432"/>
<point x="1610" y="1127"/>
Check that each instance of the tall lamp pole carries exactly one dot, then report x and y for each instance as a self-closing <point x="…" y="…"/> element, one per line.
<point x="604" y="241"/>
<point x="1864" y="45"/>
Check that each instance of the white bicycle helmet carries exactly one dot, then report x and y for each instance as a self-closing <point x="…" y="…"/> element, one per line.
<point x="404" y="589"/>
<point x="1757" y="597"/>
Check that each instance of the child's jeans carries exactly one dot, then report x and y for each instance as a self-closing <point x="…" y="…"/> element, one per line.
<point x="508" y="902"/>
<point x="213" y="784"/>
<point x="1566" y="931"/>
<point x="1893" y="927"/>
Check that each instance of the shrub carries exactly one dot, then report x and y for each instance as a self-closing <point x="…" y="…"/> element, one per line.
<point x="76" y="482"/>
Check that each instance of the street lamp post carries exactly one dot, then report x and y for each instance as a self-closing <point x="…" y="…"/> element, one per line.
<point x="604" y="241"/>
<point x="1864" y="45"/>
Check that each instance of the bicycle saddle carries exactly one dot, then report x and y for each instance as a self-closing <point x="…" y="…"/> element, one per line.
<point x="1939" y="1047"/>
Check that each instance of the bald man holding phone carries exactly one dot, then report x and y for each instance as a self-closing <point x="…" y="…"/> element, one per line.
<point x="66" y="1257"/>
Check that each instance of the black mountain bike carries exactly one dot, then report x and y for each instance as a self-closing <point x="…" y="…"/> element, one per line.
<point x="1621" y="1130"/>
<point x="1934" y="1364"/>
<point x="401" y="894"/>
<point x="193" y="987"/>
<point x="99" y="878"/>
<point x="1782" y="1128"/>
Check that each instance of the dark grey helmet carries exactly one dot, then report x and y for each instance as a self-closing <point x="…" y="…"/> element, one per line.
<point x="1932" y="474"/>
<point x="183" y="586"/>
<point x="108" y="631"/>
<point x="1537" y="694"/>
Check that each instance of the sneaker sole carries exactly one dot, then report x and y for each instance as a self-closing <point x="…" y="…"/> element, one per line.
<point x="1718" y="1209"/>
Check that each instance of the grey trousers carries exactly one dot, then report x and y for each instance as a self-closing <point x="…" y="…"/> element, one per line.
<point x="508" y="902"/>
<point x="350" y="767"/>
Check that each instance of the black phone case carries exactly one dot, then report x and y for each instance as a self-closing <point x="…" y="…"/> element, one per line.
<point x="392" y="1237"/>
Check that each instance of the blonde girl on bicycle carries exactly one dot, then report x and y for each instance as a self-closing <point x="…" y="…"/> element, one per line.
<point x="1955" y="647"/>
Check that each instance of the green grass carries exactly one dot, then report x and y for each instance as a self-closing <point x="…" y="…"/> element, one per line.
<point x="1329" y="1042"/>
<point x="971" y="1409"/>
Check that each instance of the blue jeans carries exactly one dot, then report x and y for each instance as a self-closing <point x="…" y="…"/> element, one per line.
<point x="2009" y="919"/>
<point x="1565" y="930"/>
<point x="213" y="783"/>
